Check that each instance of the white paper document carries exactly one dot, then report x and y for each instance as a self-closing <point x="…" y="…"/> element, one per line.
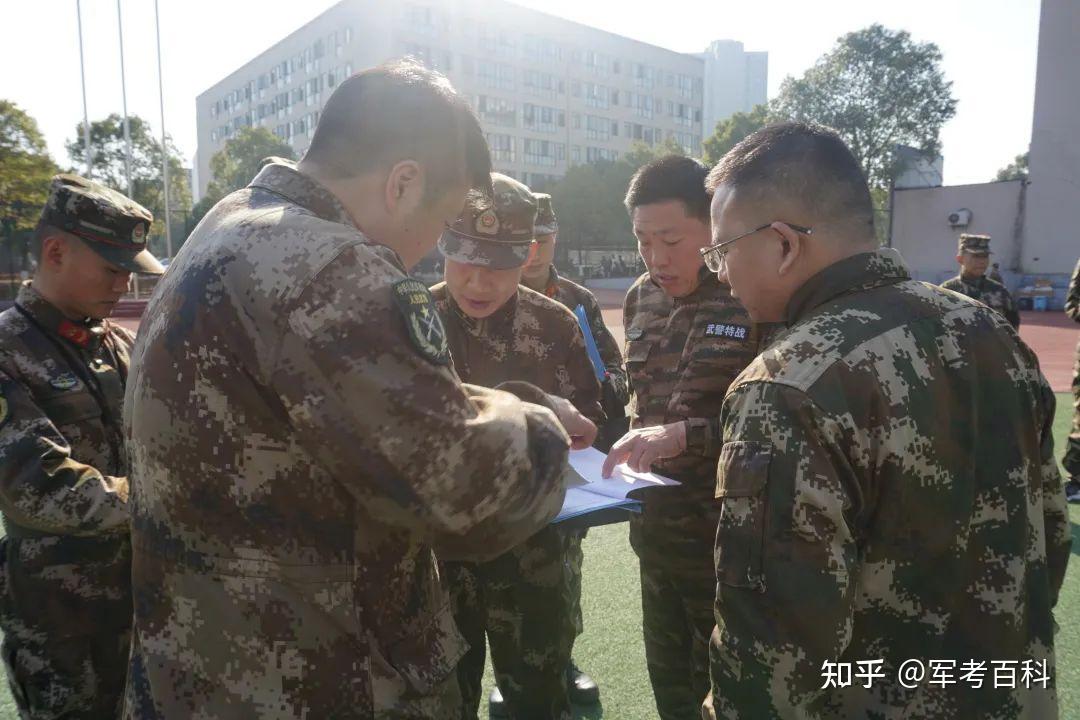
<point x="590" y="491"/>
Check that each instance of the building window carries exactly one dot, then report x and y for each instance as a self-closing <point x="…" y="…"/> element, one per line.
<point x="595" y="154"/>
<point x="543" y="152"/>
<point x="542" y="118"/>
<point x="495" y="75"/>
<point x="597" y="96"/>
<point x="502" y="147"/>
<point x="598" y="128"/>
<point x="497" y="111"/>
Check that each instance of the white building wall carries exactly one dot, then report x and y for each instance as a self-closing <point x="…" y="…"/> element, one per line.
<point x="922" y="234"/>
<point x="1052" y="233"/>
<point x="601" y="91"/>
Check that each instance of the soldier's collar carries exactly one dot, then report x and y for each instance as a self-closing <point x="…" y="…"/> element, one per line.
<point x="482" y="326"/>
<point x="282" y="178"/>
<point x="87" y="334"/>
<point x="883" y="266"/>
<point x="552" y="286"/>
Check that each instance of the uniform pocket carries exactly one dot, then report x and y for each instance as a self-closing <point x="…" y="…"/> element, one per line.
<point x="637" y="351"/>
<point x="71" y="407"/>
<point x="741" y="478"/>
<point x="429" y="653"/>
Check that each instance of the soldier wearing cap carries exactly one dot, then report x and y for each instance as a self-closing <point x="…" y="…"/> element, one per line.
<point x="501" y="332"/>
<point x="65" y="589"/>
<point x="540" y="275"/>
<point x="973" y="254"/>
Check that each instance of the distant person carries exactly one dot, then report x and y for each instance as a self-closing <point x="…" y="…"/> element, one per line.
<point x="1071" y="461"/>
<point x="301" y="445"/>
<point x="973" y="254"/>
<point x="65" y="588"/>
<point x="687" y="339"/>
<point x="889" y="491"/>
<point x="501" y="332"/>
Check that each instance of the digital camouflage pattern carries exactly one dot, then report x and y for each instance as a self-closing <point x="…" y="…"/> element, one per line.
<point x="113" y="225"/>
<point x="988" y="292"/>
<point x="889" y="492"/>
<point x="615" y="390"/>
<point x="495" y="233"/>
<point x="298" y="458"/>
<point x="1071" y="461"/>
<point x="681" y="355"/>
<point x="570" y="294"/>
<point x="519" y="598"/>
<point x="65" y="590"/>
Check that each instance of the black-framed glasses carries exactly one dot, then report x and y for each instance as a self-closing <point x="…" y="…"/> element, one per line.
<point x="714" y="254"/>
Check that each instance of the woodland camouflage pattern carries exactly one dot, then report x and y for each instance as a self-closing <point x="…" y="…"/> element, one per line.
<point x="988" y="292"/>
<point x="681" y="355"/>
<point x="65" y="599"/>
<point x="889" y="492"/>
<point x="298" y="459"/>
<point x="1071" y="461"/>
<point x="520" y="597"/>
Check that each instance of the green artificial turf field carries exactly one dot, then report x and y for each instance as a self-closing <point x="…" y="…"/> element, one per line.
<point x="611" y="648"/>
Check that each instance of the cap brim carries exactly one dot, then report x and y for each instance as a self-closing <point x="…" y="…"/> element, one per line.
<point x="141" y="262"/>
<point x="491" y="254"/>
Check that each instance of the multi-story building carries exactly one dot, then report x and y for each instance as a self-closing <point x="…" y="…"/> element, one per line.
<point x="550" y="93"/>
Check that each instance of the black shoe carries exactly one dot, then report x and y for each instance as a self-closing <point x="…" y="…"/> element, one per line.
<point x="583" y="689"/>
<point x="1072" y="490"/>
<point x="496" y="704"/>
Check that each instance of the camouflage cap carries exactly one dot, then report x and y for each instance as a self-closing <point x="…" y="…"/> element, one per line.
<point x="113" y="225"/>
<point x="497" y="235"/>
<point x="974" y="244"/>
<point x="546" y="223"/>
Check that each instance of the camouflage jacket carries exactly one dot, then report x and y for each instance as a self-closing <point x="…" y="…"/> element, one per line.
<point x="63" y="470"/>
<point x="531" y="338"/>
<point x="989" y="292"/>
<point x="889" y="493"/>
<point x="571" y="295"/>
<point x="300" y="448"/>
<point x="1072" y="299"/>
<point x="681" y="355"/>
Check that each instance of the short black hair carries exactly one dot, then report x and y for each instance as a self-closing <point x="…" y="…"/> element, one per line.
<point x="672" y="177"/>
<point x="398" y="111"/>
<point x="806" y="164"/>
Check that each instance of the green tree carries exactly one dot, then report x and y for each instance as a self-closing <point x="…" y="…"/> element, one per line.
<point x="878" y="88"/>
<point x="1016" y="170"/>
<point x="730" y="131"/>
<point x="589" y="199"/>
<point x="233" y="167"/>
<point x="107" y="149"/>
<point x="25" y="168"/>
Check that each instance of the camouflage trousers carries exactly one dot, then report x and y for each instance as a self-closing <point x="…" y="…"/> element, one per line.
<point x="678" y="589"/>
<point x="519" y="602"/>
<point x="55" y="667"/>
<point x="575" y="558"/>
<point x="1071" y="461"/>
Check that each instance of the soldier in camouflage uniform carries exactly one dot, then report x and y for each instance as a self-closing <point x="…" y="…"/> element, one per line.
<point x="686" y="340"/>
<point x="65" y="589"/>
<point x="973" y="254"/>
<point x="890" y="496"/>
<point x="501" y="332"/>
<point x="540" y="275"/>
<point x="301" y="446"/>
<point x="1071" y="461"/>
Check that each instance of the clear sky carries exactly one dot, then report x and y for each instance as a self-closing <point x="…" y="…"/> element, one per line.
<point x="989" y="49"/>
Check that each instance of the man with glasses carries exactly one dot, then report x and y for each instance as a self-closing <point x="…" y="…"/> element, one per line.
<point x="686" y="340"/>
<point x="890" y="500"/>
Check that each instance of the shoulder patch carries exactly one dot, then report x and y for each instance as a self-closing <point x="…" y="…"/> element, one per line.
<point x="422" y="320"/>
<point x="634" y="333"/>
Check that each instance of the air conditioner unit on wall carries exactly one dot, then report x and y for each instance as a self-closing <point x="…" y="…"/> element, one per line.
<point x="960" y="218"/>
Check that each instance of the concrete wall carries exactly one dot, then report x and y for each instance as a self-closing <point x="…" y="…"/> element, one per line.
<point x="1052" y="234"/>
<point x="922" y="234"/>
